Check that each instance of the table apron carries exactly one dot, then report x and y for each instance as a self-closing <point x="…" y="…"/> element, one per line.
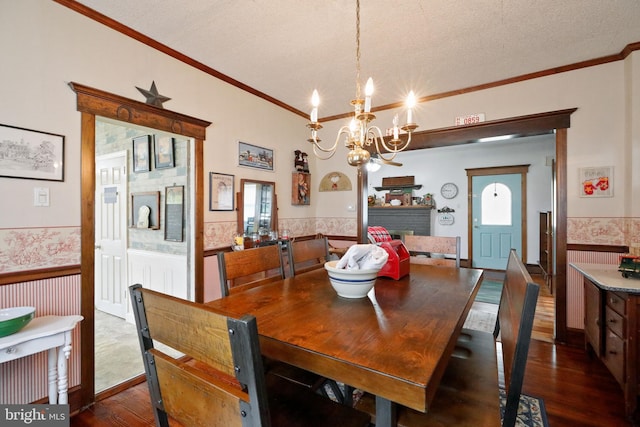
<point x="395" y="389"/>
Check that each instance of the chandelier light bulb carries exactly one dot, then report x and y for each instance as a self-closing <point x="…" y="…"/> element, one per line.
<point x="315" y="101"/>
<point x="368" y="91"/>
<point x="411" y="102"/>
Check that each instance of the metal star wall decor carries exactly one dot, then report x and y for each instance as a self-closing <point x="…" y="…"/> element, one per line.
<point x="152" y="95"/>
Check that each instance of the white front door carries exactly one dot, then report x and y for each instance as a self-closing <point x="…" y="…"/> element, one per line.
<point x="111" y="234"/>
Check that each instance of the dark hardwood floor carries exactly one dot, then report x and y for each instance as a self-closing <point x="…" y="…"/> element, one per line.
<point x="577" y="390"/>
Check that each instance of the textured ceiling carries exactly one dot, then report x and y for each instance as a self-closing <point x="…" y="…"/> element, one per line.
<point x="286" y="48"/>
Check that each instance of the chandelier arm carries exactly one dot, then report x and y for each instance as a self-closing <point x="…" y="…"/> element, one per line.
<point x="318" y="148"/>
<point x="320" y="155"/>
<point x="398" y="148"/>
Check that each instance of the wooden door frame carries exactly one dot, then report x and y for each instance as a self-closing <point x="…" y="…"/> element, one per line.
<point x="91" y="103"/>
<point x="534" y="124"/>
<point x="498" y="170"/>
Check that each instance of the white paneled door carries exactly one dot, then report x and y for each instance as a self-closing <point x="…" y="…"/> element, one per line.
<point x="111" y="234"/>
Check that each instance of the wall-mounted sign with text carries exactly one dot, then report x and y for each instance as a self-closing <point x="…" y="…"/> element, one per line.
<point x="469" y="119"/>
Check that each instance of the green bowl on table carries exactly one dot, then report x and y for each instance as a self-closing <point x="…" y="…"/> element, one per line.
<point x="13" y="319"/>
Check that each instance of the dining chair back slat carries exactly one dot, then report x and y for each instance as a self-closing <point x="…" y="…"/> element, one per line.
<point x="429" y="245"/>
<point x="307" y="255"/>
<point x="220" y="380"/>
<point x="248" y="268"/>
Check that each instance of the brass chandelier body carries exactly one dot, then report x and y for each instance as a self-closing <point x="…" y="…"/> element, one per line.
<point x="360" y="133"/>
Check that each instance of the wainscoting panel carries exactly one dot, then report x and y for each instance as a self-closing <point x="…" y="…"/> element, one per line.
<point x="25" y="380"/>
<point x="575" y="286"/>
<point x="164" y="273"/>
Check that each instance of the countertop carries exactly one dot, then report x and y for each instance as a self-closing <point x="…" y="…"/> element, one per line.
<point x="607" y="277"/>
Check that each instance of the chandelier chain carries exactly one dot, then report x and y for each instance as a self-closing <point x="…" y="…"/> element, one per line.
<point x="357" y="49"/>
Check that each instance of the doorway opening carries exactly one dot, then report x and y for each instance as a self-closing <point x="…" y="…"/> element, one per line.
<point x="93" y="103"/>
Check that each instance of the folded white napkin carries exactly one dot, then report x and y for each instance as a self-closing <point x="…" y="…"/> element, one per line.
<point x="363" y="257"/>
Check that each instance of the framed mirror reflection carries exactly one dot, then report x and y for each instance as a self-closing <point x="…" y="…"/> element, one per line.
<point x="257" y="208"/>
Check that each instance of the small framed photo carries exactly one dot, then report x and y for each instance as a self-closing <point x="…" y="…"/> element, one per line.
<point x="145" y="210"/>
<point x="220" y="192"/>
<point x="164" y="152"/>
<point x="174" y="213"/>
<point x="141" y="153"/>
<point x="31" y="154"/>
<point x="253" y="156"/>
<point x="300" y="188"/>
<point x="596" y="181"/>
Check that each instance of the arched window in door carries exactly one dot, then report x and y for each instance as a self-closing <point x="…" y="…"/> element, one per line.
<point x="496" y="205"/>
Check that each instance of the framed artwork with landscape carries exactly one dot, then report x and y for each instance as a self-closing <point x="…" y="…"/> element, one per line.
<point x="31" y="154"/>
<point x="253" y="156"/>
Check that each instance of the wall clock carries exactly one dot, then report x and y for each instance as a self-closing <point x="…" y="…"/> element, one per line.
<point x="449" y="190"/>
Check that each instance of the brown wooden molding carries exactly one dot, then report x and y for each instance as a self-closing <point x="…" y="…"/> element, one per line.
<point x="214" y="251"/>
<point x="597" y="248"/>
<point x="40" y="274"/>
<point x="101" y="103"/>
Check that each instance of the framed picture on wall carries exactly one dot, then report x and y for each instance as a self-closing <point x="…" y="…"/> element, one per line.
<point x="141" y="153"/>
<point x="31" y="154"/>
<point x="174" y="213"/>
<point x="300" y="188"/>
<point x="164" y="152"/>
<point x="596" y="181"/>
<point x="255" y="157"/>
<point x="220" y="192"/>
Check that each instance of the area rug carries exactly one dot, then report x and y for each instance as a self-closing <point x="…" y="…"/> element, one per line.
<point x="489" y="292"/>
<point x="531" y="412"/>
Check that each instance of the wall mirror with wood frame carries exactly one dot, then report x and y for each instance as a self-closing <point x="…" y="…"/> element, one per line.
<point x="257" y="207"/>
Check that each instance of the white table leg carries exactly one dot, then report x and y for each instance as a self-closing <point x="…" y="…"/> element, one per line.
<point x="53" y="376"/>
<point x="63" y="381"/>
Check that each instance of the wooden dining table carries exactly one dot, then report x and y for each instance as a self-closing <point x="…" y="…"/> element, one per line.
<point x="395" y="343"/>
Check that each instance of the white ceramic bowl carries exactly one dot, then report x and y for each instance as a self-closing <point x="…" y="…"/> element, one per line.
<point x="395" y="202"/>
<point x="15" y="318"/>
<point x="351" y="283"/>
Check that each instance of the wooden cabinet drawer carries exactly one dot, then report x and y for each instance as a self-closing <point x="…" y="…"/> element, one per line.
<point x="614" y="355"/>
<point x="617" y="302"/>
<point x="615" y="322"/>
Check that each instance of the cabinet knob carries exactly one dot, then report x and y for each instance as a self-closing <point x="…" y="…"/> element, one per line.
<point x="613" y="352"/>
<point x="612" y="320"/>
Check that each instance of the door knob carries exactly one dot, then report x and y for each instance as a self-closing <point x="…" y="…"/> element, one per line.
<point x="98" y="247"/>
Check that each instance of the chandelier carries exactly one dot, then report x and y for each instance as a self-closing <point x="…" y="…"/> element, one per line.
<point x="359" y="133"/>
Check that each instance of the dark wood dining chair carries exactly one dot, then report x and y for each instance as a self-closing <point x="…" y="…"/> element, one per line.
<point x="468" y="394"/>
<point x="254" y="267"/>
<point x="248" y="268"/>
<point x="307" y="255"/>
<point x="427" y="245"/>
<point x="220" y="380"/>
